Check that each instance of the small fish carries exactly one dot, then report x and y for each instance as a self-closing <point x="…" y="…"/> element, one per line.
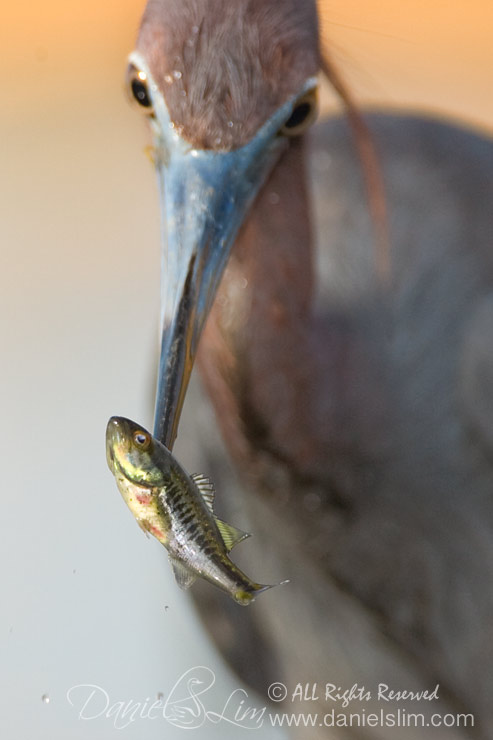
<point x="177" y="509"/>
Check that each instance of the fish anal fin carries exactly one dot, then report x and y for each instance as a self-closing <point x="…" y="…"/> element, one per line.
<point x="183" y="575"/>
<point x="206" y="488"/>
<point x="231" y="536"/>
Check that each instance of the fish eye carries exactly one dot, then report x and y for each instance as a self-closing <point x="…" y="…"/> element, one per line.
<point x="303" y="114"/>
<point x="137" y="88"/>
<point x="142" y="439"/>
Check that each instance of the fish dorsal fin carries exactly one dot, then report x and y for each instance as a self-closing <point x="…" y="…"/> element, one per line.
<point x="206" y="488"/>
<point x="184" y="577"/>
<point x="231" y="535"/>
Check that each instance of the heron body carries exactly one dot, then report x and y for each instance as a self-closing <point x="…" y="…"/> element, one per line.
<point x="358" y="415"/>
<point x="396" y="510"/>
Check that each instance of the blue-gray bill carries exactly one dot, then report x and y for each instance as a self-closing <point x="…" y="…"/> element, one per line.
<point x="177" y="509"/>
<point x="205" y="196"/>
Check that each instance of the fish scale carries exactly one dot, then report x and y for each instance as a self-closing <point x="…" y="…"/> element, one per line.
<point x="177" y="509"/>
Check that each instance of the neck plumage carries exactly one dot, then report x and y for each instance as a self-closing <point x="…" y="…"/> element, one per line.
<point x="280" y="378"/>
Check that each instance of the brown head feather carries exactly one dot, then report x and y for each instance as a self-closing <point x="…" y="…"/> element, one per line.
<point x="223" y="62"/>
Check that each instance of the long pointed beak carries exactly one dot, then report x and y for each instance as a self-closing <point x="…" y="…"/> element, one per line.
<point x="205" y="196"/>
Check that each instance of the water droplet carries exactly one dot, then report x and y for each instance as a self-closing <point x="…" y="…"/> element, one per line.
<point x="194" y="153"/>
<point x="166" y="608"/>
<point x="171" y="124"/>
<point x="217" y="140"/>
<point x="168" y="79"/>
<point x="74" y="571"/>
<point x="243" y="283"/>
<point x="190" y="42"/>
<point x="230" y="124"/>
<point x="160" y="696"/>
<point x="177" y="74"/>
<point x="195" y="29"/>
<point x="273" y="198"/>
<point x="183" y="93"/>
<point x="45" y="698"/>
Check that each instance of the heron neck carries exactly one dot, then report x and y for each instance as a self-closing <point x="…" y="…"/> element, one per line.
<point x="272" y="370"/>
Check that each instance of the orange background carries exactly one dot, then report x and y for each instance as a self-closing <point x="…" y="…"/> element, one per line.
<point x="432" y="55"/>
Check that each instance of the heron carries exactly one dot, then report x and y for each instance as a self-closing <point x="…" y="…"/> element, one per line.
<point x="357" y="410"/>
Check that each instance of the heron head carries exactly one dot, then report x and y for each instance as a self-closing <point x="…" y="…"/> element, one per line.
<point x="225" y="85"/>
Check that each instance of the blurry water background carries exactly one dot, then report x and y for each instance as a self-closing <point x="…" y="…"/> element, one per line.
<point x="86" y="599"/>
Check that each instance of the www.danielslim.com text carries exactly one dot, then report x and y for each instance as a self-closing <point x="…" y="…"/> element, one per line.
<point x="400" y="718"/>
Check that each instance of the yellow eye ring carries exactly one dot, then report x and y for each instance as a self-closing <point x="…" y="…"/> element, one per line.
<point x="138" y="90"/>
<point x="142" y="439"/>
<point x="303" y="114"/>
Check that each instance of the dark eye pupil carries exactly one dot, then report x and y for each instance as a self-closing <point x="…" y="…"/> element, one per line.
<point x="298" y="115"/>
<point x="139" y="91"/>
<point x="140" y="439"/>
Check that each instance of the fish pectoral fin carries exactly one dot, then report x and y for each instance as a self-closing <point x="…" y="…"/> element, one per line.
<point x="206" y="488"/>
<point x="231" y="535"/>
<point x="183" y="575"/>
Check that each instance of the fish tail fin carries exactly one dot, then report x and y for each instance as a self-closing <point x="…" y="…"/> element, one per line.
<point x="246" y="596"/>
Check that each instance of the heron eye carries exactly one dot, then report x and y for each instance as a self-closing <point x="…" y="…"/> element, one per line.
<point x="142" y="440"/>
<point x="303" y="115"/>
<point x="138" y="89"/>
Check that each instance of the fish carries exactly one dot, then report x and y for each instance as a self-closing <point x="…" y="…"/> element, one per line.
<point x="177" y="509"/>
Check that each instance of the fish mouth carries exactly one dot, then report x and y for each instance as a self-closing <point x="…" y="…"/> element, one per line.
<point x="115" y="430"/>
<point x="116" y="437"/>
<point x="204" y="197"/>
